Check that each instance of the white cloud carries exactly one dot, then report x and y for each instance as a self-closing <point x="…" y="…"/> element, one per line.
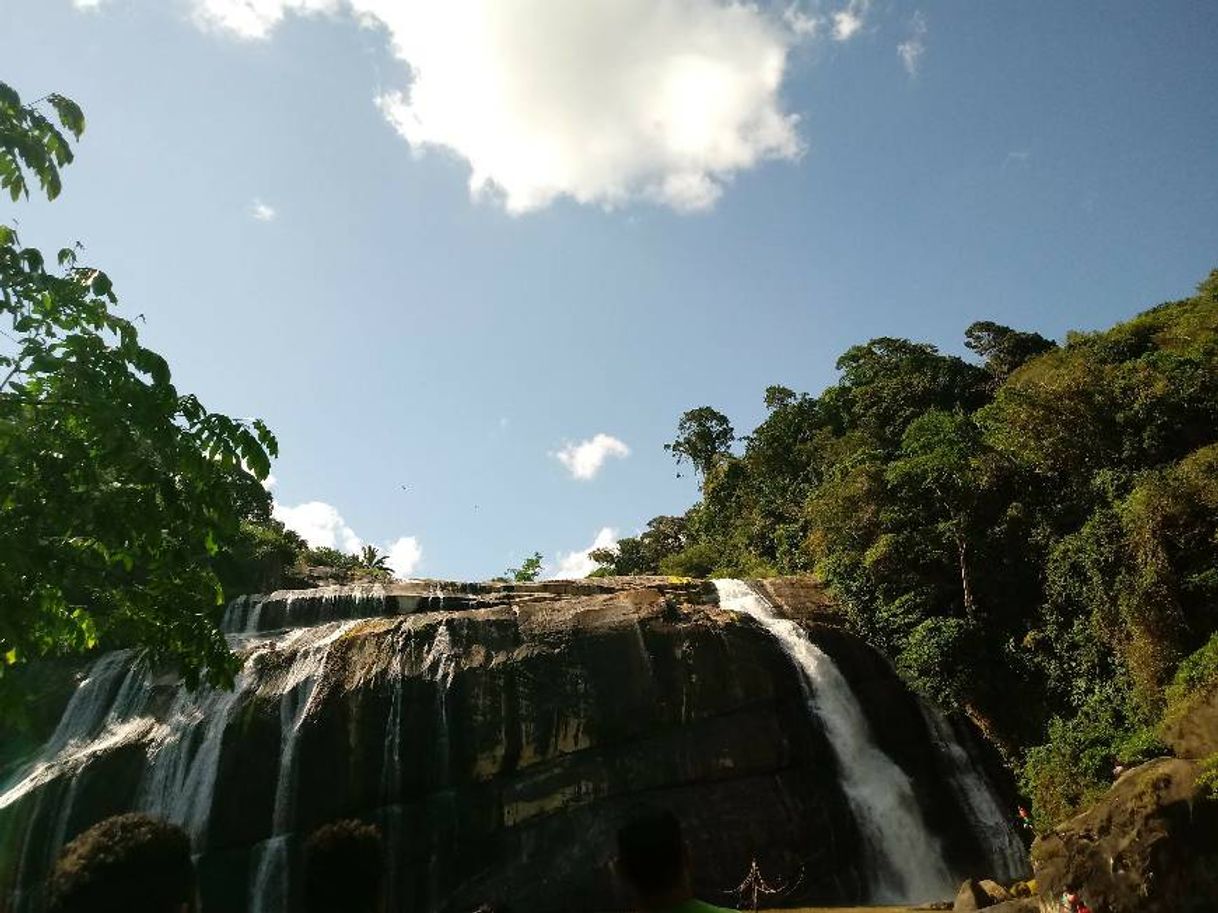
<point x="86" y="4"/>
<point x="802" y="23"/>
<point x="585" y="459"/>
<point x="322" y="526"/>
<point x="912" y="48"/>
<point x="849" y="20"/>
<point x="255" y="19"/>
<point x="319" y="524"/>
<point x="262" y="212"/>
<point x="601" y="101"/>
<point x="574" y="565"/>
<point x="404" y="555"/>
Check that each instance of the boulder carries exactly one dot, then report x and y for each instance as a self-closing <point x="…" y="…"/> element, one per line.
<point x="1194" y="733"/>
<point x="971" y="897"/>
<point x="1150" y="845"/>
<point x="994" y="891"/>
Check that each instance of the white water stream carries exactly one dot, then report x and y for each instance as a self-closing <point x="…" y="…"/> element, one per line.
<point x="905" y="864"/>
<point x="272" y="875"/>
<point x="1008" y="859"/>
<point x="116" y="704"/>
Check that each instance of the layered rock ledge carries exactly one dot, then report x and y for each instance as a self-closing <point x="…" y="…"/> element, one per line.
<point x="498" y="733"/>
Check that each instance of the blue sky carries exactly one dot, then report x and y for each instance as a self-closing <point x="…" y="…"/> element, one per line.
<point x="681" y="202"/>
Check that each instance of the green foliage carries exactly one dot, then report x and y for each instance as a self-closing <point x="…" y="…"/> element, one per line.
<point x="698" y="560"/>
<point x="117" y="491"/>
<point x="1004" y="350"/>
<point x="529" y="570"/>
<point x="939" y="659"/>
<point x="704" y="436"/>
<point x="1207" y="778"/>
<point x="888" y="382"/>
<point x="1034" y="540"/>
<point x="1198" y="671"/>
<point x="643" y="554"/>
<point x="1077" y="763"/>
<point x="373" y="559"/>
<point x="327" y="557"/>
<point x="29" y="140"/>
<point x="259" y="559"/>
<point x="1195" y="680"/>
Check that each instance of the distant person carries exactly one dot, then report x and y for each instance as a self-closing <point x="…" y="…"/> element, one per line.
<point x="125" y="864"/>
<point x="344" y="867"/>
<point x="653" y="860"/>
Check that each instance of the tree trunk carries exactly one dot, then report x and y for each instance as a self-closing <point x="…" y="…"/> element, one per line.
<point x="970" y="606"/>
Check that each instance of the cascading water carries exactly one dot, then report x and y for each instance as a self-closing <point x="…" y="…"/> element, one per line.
<point x="904" y="859"/>
<point x="110" y="708"/>
<point x="131" y="738"/>
<point x="271" y="878"/>
<point x="91" y="724"/>
<point x="440" y="666"/>
<point x="184" y="757"/>
<point x="1005" y="851"/>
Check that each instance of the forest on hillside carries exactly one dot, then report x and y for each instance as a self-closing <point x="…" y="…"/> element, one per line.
<point x="1032" y="539"/>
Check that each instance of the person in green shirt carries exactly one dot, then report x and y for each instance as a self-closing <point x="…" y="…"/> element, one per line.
<point x="653" y="861"/>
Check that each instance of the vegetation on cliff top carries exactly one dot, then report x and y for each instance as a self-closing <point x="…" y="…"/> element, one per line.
<point x="1031" y="539"/>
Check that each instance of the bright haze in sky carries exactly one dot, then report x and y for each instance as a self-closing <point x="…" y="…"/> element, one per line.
<point x="472" y="259"/>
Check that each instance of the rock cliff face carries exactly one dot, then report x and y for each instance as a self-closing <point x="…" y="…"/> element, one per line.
<point x="1150" y="845"/>
<point x="498" y="734"/>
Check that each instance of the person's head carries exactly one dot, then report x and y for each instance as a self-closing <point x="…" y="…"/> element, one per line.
<point x="129" y="863"/>
<point x="343" y="868"/>
<point x="652" y="858"/>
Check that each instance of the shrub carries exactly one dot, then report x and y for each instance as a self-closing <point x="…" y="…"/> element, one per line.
<point x="1207" y="778"/>
<point x="1194" y="678"/>
<point x="1075" y="766"/>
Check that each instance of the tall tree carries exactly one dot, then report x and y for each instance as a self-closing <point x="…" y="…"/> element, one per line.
<point x="116" y="489"/>
<point x="1004" y="350"/>
<point x="937" y="479"/>
<point x="704" y="436"/>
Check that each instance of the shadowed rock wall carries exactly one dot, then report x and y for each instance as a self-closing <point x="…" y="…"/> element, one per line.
<point x="498" y="734"/>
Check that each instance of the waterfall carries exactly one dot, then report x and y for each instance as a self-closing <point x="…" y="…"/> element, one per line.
<point x="440" y="665"/>
<point x="271" y="876"/>
<point x="184" y="757"/>
<point x="96" y="719"/>
<point x="89" y="706"/>
<point x="905" y="863"/>
<point x="391" y="760"/>
<point x="242" y="615"/>
<point x="1004" y="850"/>
<point x="100" y="715"/>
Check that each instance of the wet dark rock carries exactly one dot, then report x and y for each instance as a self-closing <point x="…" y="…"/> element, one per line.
<point x="500" y="733"/>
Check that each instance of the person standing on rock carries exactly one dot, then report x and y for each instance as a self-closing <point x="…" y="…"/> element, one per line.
<point x="653" y="861"/>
